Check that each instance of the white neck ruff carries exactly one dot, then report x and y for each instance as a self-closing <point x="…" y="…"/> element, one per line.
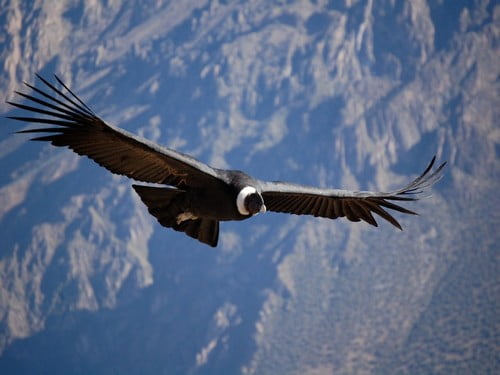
<point x="240" y="199"/>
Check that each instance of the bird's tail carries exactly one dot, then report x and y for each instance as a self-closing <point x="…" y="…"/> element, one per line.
<point x="166" y="205"/>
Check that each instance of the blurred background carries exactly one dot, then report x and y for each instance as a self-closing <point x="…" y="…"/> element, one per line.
<point x="348" y="94"/>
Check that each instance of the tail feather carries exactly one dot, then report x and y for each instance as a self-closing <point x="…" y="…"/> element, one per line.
<point x="204" y="230"/>
<point x="166" y="204"/>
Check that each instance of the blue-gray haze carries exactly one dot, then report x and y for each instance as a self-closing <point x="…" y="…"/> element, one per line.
<point x="349" y="94"/>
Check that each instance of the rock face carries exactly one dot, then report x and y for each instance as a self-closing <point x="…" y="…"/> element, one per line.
<point x="353" y="94"/>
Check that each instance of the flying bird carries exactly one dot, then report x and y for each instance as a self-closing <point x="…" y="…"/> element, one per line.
<point x="195" y="197"/>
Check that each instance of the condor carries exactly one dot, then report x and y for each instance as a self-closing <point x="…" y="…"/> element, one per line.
<point x="196" y="197"/>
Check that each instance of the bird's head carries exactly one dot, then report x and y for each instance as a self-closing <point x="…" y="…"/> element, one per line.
<point x="254" y="203"/>
<point x="249" y="201"/>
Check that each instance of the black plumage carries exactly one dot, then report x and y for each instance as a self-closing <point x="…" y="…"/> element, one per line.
<point x="197" y="197"/>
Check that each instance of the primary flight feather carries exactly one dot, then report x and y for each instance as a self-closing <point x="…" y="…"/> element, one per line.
<point x="196" y="196"/>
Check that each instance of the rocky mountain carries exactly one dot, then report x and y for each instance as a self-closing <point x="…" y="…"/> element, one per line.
<point x="357" y="94"/>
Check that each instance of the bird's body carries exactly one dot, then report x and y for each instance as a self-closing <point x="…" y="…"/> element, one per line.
<point x="196" y="197"/>
<point x="215" y="200"/>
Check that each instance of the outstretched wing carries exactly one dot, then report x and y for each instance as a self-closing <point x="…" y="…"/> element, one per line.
<point x="354" y="205"/>
<point x="71" y="123"/>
